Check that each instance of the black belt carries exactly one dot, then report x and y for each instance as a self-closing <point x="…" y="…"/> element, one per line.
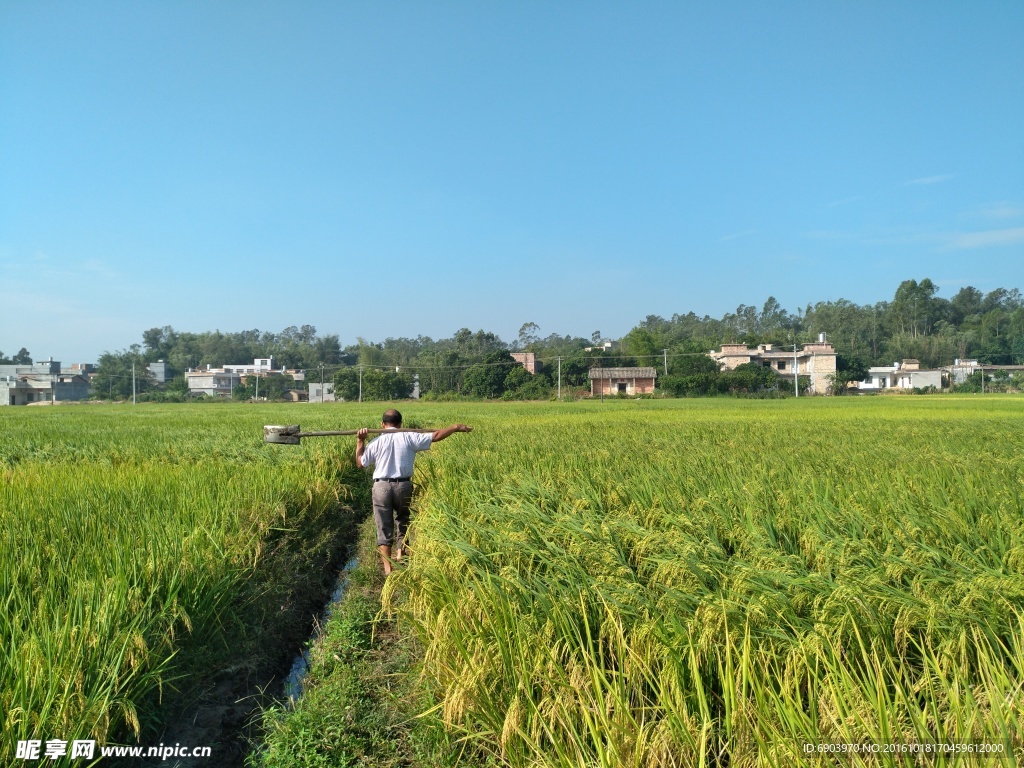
<point x="391" y="479"/>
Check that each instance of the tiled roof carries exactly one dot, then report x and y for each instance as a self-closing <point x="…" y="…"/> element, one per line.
<point x="623" y="373"/>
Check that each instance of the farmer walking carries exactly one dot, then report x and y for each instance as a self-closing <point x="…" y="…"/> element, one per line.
<point x="392" y="455"/>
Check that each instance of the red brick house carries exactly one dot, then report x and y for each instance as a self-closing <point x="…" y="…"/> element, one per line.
<point x="625" y="381"/>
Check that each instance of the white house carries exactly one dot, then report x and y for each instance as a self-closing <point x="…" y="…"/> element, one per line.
<point x="221" y="381"/>
<point x="321" y="393"/>
<point x="261" y="365"/>
<point x="904" y="375"/>
<point x="212" y="382"/>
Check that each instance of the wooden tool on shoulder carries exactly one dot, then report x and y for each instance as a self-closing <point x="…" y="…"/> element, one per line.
<point x="292" y="434"/>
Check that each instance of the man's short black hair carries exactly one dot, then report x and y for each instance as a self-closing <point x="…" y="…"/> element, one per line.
<point x="392" y="418"/>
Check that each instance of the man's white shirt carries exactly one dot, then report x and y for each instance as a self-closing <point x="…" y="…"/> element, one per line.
<point x="393" y="453"/>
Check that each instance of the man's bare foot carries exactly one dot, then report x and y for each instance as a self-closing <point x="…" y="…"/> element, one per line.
<point x="385" y="558"/>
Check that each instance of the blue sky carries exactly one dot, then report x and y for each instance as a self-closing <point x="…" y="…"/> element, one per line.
<point x="393" y="169"/>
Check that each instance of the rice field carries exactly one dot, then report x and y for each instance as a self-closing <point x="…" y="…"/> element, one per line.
<point x="712" y="583"/>
<point x="638" y="583"/>
<point x="131" y="537"/>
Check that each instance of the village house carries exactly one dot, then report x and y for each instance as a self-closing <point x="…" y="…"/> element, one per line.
<point x="321" y="393"/>
<point x="212" y="381"/>
<point x="222" y="381"/>
<point x="261" y="365"/>
<point x="817" y="361"/>
<point x="904" y="375"/>
<point x="526" y="359"/>
<point x="42" y="382"/>
<point x="961" y="370"/>
<point x="80" y="369"/>
<point x="622" y="381"/>
<point x="158" y="371"/>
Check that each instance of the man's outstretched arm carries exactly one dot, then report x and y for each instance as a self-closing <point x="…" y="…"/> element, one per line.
<point x="441" y="434"/>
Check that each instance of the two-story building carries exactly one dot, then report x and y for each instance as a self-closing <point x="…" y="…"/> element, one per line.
<point x="212" y="381"/>
<point x="222" y="381"/>
<point x="158" y="371"/>
<point x="816" y="360"/>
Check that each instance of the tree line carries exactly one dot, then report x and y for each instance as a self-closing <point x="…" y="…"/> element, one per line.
<point x="24" y="357"/>
<point x="915" y="323"/>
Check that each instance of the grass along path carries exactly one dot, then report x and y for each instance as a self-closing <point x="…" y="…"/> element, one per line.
<point x="362" y="698"/>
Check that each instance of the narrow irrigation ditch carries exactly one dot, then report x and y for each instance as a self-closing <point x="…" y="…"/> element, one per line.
<point x="362" y="702"/>
<point x="279" y="606"/>
<point x="300" y="666"/>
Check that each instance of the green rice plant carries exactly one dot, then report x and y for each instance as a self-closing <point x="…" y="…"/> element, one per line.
<point x="685" y="583"/>
<point x="137" y="544"/>
<point x="709" y="584"/>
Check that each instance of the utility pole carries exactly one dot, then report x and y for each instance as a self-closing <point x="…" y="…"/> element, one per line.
<point x="360" y="383"/>
<point x="257" y="387"/>
<point x="664" y="352"/>
<point x="321" y="382"/>
<point x="796" y="373"/>
<point x="133" y="383"/>
<point x="559" y="377"/>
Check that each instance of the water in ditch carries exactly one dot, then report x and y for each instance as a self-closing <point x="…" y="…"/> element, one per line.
<point x="293" y="682"/>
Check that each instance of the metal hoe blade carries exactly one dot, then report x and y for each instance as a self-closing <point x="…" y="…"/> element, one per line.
<point x="283" y="435"/>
